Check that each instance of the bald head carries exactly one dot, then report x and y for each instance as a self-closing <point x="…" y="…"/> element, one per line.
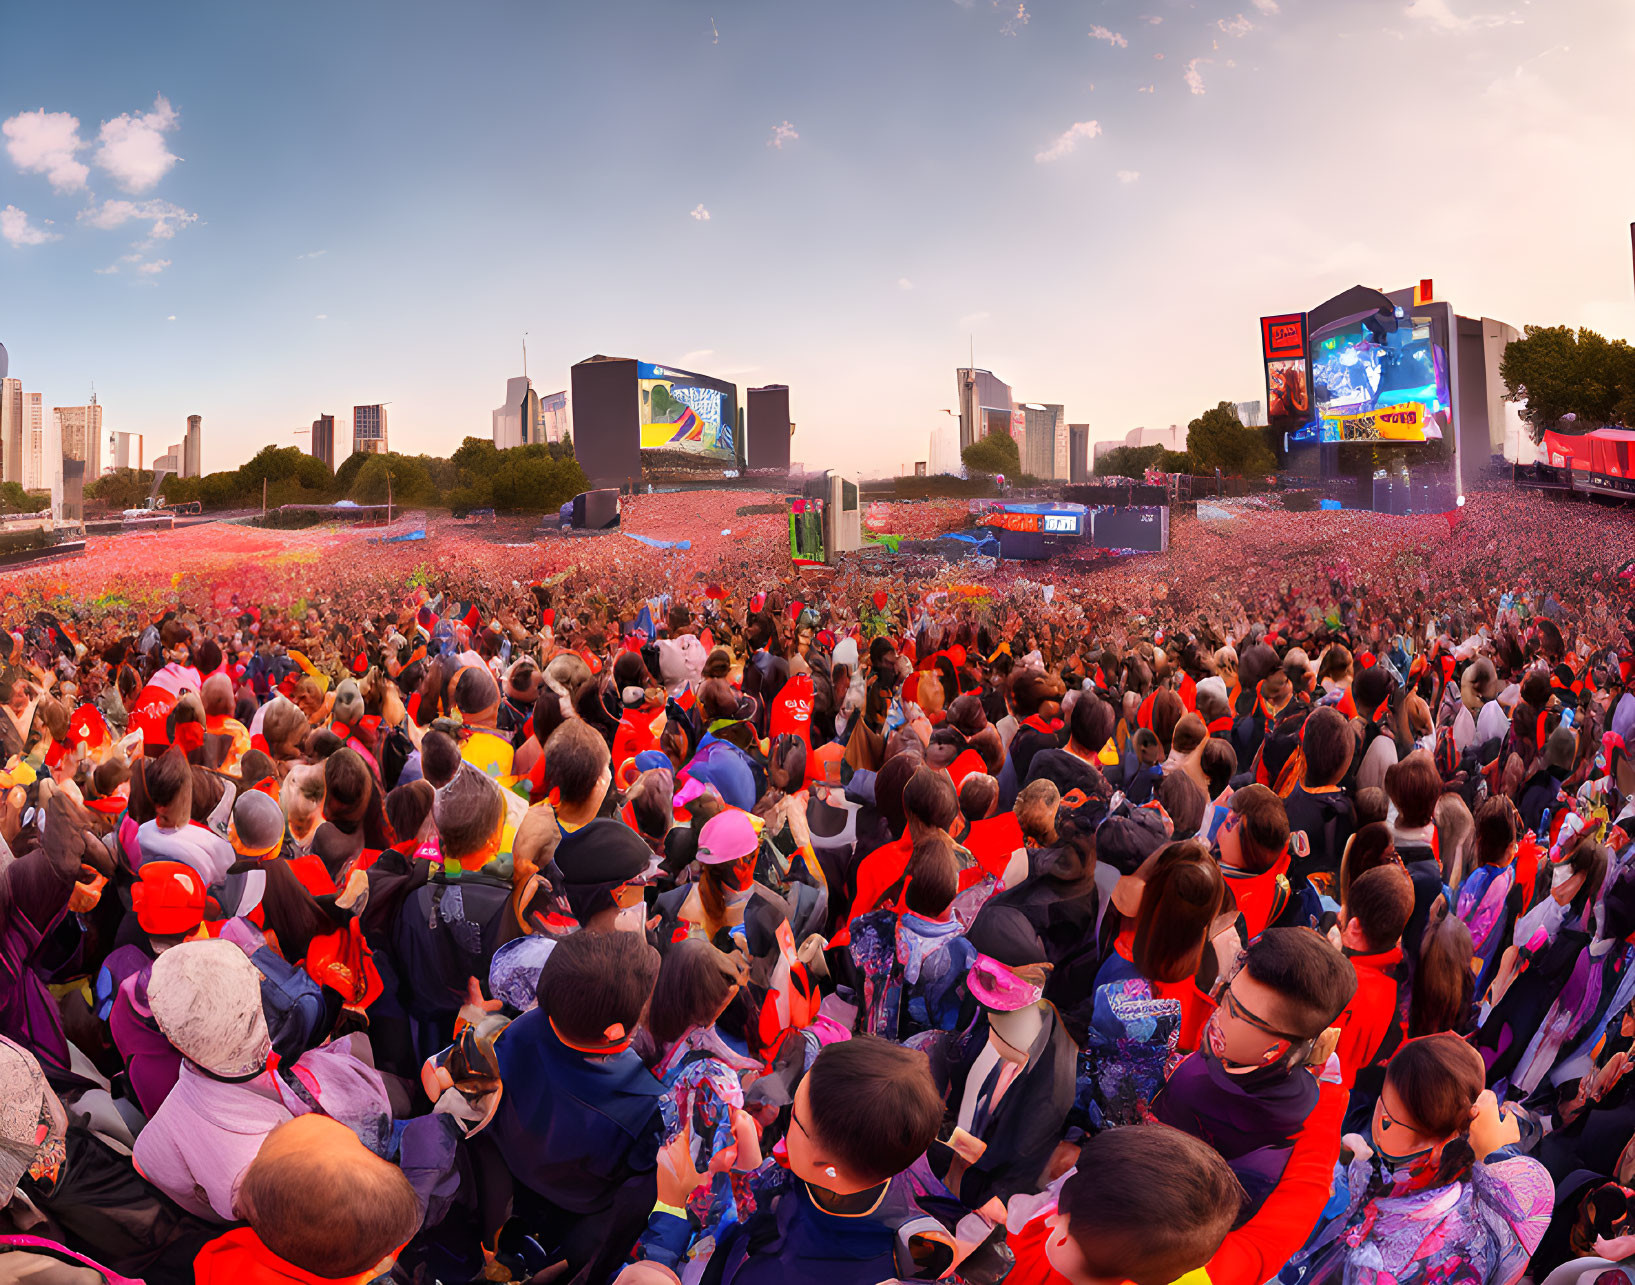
<point x="321" y="1200"/>
<point x="218" y="696"/>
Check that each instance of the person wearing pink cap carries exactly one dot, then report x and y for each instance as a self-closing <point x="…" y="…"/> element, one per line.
<point x="734" y="912"/>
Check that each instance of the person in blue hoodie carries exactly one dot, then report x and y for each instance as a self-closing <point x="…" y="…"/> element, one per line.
<point x="579" y="1121"/>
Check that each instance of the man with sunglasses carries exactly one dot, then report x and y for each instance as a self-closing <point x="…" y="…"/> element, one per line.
<point x="1251" y="1088"/>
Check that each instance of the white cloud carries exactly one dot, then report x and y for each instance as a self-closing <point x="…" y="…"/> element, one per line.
<point x="971" y="318"/>
<point x="153" y="268"/>
<point x="42" y="142"/>
<point x="1111" y="37"/>
<point x="1068" y="139"/>
<point x="165" y="217"/>
<point x="697" y="355"/>
<point x="133" y="147"/>
<point x="1239" y="26"/>
<point x="16" y="228"/>
<point x="1439" y="15"/>
<point x="1152" y="19"/>
<point x="903" y="283"/>
<point x="1195" y="78"/>
<point x="315" y="254"/>
<point x="111" y="270"/>
<point x="782" y="134"/>
<point x="1147" y="89"/>
<point x="1128" y="176"/>
<point x="1267" y="7"/>
<point x="172" y="317"/>
<point x="322" y="316"/>
<point x="700" y="213"/>
<point x="1158" y="57"/>
<point x="1012" y="24"/>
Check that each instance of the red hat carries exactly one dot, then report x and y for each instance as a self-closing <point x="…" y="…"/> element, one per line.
<point x="88" y="725"/>
<point x="757" y="601"/>
<point x="880" y="599"/>
<point x="469" y="620"/>
<point x="548" y="616"/>
<point x="715" y="591"/>
<point x="170" y="898"/>
<point x="152" y="709"/>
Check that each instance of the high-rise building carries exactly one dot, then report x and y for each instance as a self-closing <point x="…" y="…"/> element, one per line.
<point x="1045" y="445"/>
<point x="123" y="458"/>
<point x="369" y="429"/>
<point x="81" y="429"/>
<point x="985" y="405"/>
<point x="11" y="430"/>
<point x="555" y="416"/>
<point x="193" y="447"/>
<point x="944" y="453"/>
<point x="323" y="440"/>
<point x="51" y="460"/>
<point x="169" y="462"/>
<point x="33" y="441"/>
<point x="1078" y="453"/>
<point x="517" y="422"/>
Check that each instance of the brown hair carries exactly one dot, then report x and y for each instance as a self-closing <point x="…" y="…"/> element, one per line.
<point x="1414" y="785"/>
<point x="574" y="758"/>
<point x="1495" y="830"/>
<point x="1149" y="1204"/>
<point x="978" y="794"/>
<point x="1438" y="1078"/>
<point x="1313" y="980"/>
<point x="1167" y="711"/>
<point x="1219" y="762"/>
<point x="1180" y="901"/>
<point x="1366" y="851"/>
<point x="1381" y="901"/>
<point x="1443" y="985"/>
<point x="1265" y="826"/>
<point x="1328" y="743"/>
<point x="931" y="878"/>
<point x="694" y="980"/>
<point x="929" y="798"/>
<point x="1190" y="732"/>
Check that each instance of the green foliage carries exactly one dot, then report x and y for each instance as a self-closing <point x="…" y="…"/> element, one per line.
<point x="13" y="499"/>
<point x="1561" y="372"/>
<point x="1134" y="461"/>
<point x="1217" y="439"/>
<point x="526" y="478"/>
<point x="124" y="488"/>
<point x="995" y="453"/>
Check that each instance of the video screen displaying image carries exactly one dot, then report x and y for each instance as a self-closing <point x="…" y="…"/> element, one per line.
<point x="1289" y="390"/>
<point x="1381" y="378"/>
<point x="681" y="411"/>
<point x="806" y="532"/>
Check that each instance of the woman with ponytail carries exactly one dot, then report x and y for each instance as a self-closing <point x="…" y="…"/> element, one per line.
<point x="1432" y="1195"/>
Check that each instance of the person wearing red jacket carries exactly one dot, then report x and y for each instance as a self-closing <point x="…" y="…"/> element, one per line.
<point x="322" y="1209"/>
<point x="1376" y="910"/>
<point x="1041" y="1228"/>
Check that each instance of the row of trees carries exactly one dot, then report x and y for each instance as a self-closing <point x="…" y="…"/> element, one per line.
<point x="522" y="479"/>
<point x="1561" y="372"/>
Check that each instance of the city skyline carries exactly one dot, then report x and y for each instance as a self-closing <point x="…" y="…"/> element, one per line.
<point x="1099" y="199"/>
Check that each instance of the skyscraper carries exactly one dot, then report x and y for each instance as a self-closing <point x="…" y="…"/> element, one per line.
<point x="193" y="447"/>
<point x="369" y="429"/>
<point x="11" y="430"/>
<point x="985" y="405"/>
<point x="123" y="458"/>
<point x="517" y="422"/>
<point x="81" y="430"/>
<point x="33" y="441"/>
<point x="323" y="440"/>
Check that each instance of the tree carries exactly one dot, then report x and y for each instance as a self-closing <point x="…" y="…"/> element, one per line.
<point x="995" y="453"/>
<point x="1217" y="439"/>
<point x="1134" y="461"/>
<point x="13" y="499"/>
<point x="1559" y="372"/>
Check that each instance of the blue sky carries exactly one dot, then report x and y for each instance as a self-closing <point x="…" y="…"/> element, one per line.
<point x="316" y="205"/>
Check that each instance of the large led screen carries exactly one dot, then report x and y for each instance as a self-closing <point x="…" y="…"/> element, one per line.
<point x="1381" y="377"/>
<point x="681" y="411"/>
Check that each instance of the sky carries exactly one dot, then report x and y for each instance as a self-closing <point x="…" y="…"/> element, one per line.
<point x="260" y="213"/>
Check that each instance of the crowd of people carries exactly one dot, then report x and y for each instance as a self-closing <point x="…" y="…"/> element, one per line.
<point x="1261" y="911"/>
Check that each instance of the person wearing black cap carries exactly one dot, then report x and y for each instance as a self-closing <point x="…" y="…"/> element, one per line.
<point x="601" y="865"/>
<point x="1009" y="1081"/>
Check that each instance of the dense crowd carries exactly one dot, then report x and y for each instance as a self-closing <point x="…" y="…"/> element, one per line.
<point x="484" y="908"/>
